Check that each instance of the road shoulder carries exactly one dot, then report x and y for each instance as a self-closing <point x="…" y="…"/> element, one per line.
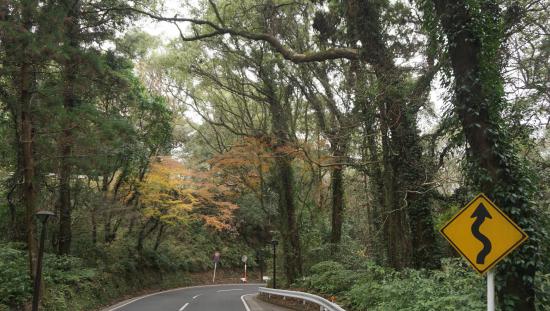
<point x="255" y="304"/>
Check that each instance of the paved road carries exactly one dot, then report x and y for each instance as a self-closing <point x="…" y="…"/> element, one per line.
<point x="205" y="298"/>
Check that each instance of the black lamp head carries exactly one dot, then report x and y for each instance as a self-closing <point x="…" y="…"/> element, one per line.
<point x="44" y="215"/>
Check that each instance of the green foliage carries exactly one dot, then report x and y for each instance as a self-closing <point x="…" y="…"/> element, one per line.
<point x="106" y="272"/>
<point x="120" y="122"/>
<point x="66" y="270"/>
<point x="455" y="287"/>
<point x="542" y="283"/>
<point x="14" y="278"/>
<point x="331" y="277"/>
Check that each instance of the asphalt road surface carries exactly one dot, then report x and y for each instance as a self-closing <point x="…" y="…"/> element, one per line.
<point x="201" y="298"/>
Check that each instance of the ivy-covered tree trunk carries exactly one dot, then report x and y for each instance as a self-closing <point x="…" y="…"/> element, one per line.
<point x="409" y="226"/>
<point x="287" y="213"/>
<point x="379" y="249"/>
<point x="337" y="183"/>
<point x="414" y="195"/>
<point x="474" y="30"/>
<point x="284" y="176"/>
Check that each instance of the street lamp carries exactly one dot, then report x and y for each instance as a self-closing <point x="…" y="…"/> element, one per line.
<point x="43" y="217"/>
<point x="274" y="244"/>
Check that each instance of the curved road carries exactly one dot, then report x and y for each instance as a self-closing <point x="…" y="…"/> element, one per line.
<point x="200" y="298"/>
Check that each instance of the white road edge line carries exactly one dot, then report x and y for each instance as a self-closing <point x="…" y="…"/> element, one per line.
<point x="184" y="306"/>
<point x="174" y="290"/>
<point x="228" y="290"/>
<point x="244" y="301"/>
<point x="195" y="297"/>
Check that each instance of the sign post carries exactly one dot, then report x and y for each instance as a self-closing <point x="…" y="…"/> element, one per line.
<point x="244" y="259"/>
<point x="483" y="235"/>
<point x="215" y="259"/>
<point x="491" y="290"/>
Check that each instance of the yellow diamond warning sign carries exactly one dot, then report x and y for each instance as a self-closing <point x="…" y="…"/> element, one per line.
<point x="482" y="233"/>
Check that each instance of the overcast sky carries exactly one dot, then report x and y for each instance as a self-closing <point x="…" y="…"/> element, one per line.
<point x="168" y="31"/>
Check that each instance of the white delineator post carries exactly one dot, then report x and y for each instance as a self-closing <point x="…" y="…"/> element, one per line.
<point x="491" y="290"/>
<point x="214" y="276"/>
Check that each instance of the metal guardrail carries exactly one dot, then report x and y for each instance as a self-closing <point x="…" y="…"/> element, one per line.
<point x="324" y="305"/>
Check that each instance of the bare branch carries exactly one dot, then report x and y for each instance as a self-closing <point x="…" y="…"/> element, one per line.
<point x="218" y="16"/>
<point x="276" y="44"/>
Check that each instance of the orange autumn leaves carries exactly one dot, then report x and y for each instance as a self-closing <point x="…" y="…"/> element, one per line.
<point x="244" y="165"/>
<point x="175" y="194"/>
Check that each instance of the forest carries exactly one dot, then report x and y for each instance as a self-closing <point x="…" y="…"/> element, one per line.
<point x="351" y="131"/>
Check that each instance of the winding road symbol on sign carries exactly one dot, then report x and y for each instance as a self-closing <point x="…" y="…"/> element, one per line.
<point x="480" y="214"/>
<point x="482" y="233"/>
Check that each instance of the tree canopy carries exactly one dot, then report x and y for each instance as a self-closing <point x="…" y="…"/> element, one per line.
<point x="349" y="130"/>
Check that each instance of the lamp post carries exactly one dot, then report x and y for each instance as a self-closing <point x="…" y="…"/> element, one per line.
<point x="42" y="216"/>
<point x="274" y="244"/>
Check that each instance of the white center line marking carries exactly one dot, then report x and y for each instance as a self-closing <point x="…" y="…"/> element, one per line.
<point x="127" y="302"/>
<point x="184" y="306"/>
<point x="228" y="290"/>
<point x="194" y="297"/>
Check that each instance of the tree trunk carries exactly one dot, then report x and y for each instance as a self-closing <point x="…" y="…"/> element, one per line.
<point x="25" y="84"/>
<point x="17" y="225"/>
<point x="287" y="211"/>
<point x="108" y="235"/>
<point x="29" y="187"/>
<point x="66" y="141"/>
<point x="285" y="186"/>
<point x="144" y="233"/>
<point x="64" y="235"/>
<point x="474" y="43"/>
<point x="414" y="197"/>
<point x="337" y="128"/>
<point x="339" y="146"/>
<point x="394" y="222"/>
<point x="379" y="249"/>
<point x="94" y="226"/>
<point x="402" y="149"/>
<point x="337" y="181"/>
<point x="158" y="240"/>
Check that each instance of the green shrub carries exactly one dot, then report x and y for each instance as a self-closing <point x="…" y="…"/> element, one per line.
<point x="14" y="278"/>
<point x="375" y="288"/>
<point x="66" y="270"/>
<point x="453" y="288"/>
<point x="330" y="277"/>
<point x="326" y="266"/>
<point x="543" y="291"/>
<point x="100" y="273"/>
